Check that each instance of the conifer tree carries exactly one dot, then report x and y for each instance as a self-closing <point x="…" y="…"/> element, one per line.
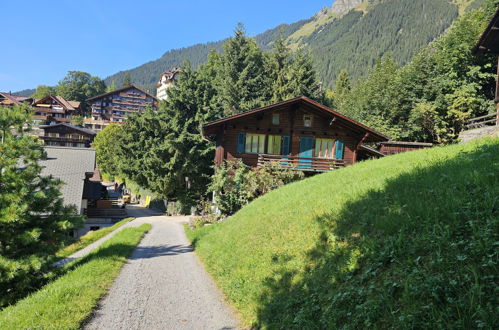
<point x="279" y="70"/>
<point x="127" y="80"/>
<point x="33" y="220"/>
<point x="243" y="79"/>
<point x="303" y="80"/>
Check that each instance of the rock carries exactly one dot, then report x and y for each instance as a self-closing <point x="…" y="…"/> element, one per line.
<point x="341" y="7"/>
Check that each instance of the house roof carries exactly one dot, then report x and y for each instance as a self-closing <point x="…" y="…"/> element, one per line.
<point x="70" y="165"/>
<point x="76" y="128"/>
<point x="18" y="100"/>
<point x="68" y="105"/>
<point x="120" y="90"/>
<point x="404" y="143"/>
<point x="374" y="136"/>
<point x="489" y="41"/>
<point x="371" y="150"/>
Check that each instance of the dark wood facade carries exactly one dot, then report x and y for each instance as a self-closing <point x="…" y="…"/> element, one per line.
<point x="115" y="106"/>
<point x="298" y="133"/>
<point x="67" y="135"/>
<point x="489" y="44"/>
<point x="396" y="147"/>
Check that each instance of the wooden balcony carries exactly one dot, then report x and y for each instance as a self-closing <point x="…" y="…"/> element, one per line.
<point x="301" y="163"/>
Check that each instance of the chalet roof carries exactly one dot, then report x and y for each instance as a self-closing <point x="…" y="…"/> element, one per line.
<point x="489" y="41"/>
<point x="374" y="136"/>
<point x="170" y="74"/>
<point x="405" y="143"/>
<point x="68" y="105"/>
<point x="18" y="100"/>
<point x="71" y="126"/>
<point x="70" y="165"/>
<point x="120" y="90"/>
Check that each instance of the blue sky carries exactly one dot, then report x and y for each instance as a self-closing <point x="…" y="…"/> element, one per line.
<point x="42" y="40"/>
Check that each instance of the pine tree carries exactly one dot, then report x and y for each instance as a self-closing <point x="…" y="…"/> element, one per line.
<point x="303" y="80"/>
<point x="279" y="70"/>
<point x="33" y="219"/>
<point x="243" y="80"/>
<point x="127" y="80"/>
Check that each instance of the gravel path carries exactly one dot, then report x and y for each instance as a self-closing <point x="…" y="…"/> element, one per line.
<point x="162" y="286"/>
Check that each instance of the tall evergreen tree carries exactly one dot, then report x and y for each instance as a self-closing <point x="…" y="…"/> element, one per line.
<point x="243" y="84"/>
<point x="303" y="78"/>
<point x="279" y="70"/>
<point x="33" y="220"/>
<point x="127" y="80"/>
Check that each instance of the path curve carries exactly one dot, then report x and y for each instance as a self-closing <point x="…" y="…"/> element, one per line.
<point x="163" y="285"/>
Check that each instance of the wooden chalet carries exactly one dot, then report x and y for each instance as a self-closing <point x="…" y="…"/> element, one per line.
<point x="54" y="109"/>
<point x="298" y="133"/>
<point x="115" y="106"/>
<point x="67" y="135"/>
<point x="489" y="44"/>
<point x="8" y="99"/>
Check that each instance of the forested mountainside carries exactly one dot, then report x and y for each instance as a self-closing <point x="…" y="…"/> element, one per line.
<point x="336" y="41"/>
<point x="147" y="74"/>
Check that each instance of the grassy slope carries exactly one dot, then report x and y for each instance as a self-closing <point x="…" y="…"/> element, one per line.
<point x="408" y="241"/>
<point x="68" y="301"/>
<point x="89" y="238"/>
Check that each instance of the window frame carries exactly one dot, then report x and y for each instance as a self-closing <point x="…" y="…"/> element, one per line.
<point x="278" y="117"/>
<point x="305" y="120"/>
<point x="260" y="143"/>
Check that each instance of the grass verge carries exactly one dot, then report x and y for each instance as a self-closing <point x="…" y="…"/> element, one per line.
<point x="409" y="241"/>
<point x="89" y="238"/>
<point x="68" y="301"/>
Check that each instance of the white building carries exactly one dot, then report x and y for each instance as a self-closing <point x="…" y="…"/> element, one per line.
<point x="166" y="80"/>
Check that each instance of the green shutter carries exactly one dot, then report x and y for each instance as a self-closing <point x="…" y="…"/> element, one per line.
<point x="286" y="144"/>
<point x="340" y="147"/>
<point x="241" y="141"/>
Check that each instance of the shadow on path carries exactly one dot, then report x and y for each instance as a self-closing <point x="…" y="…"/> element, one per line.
<point x="147" y="252"/>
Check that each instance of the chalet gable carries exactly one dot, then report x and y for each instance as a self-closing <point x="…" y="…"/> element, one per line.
<point x="131" y="88"/>
<point x="301" y="113"/>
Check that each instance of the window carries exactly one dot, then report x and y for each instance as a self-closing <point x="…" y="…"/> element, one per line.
<point x="255" y="143"/>
<point x="307" y="120"/>
<point x="275" y="119"/>
<point x="54" y="134"/>
<point x="274" y="145"/>
<point x="324" y="148"/>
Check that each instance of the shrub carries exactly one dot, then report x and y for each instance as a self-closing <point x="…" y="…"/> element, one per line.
<point x="236" y="184"/>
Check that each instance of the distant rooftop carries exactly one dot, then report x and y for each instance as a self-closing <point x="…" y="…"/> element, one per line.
<point x="70" y="165"/>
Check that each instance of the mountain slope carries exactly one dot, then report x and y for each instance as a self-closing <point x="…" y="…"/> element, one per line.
<point x="404" y="242"/>
<point x="337" y="37"/>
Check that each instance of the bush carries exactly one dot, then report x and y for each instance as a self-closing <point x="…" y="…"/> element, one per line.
<point x="236" y="184"/>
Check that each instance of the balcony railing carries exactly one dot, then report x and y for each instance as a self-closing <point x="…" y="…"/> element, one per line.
<point x="482" y="121"/>
<point x="301" y="163"/>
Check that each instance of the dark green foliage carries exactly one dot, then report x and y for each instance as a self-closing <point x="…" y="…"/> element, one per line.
<point x="399" y="27"/>
<point x="127" y="80"/>
<point x="34" y="222"/>
<point x="79" y="86"/>
<point x="429" y="98"/>
<point x="164" y="151"/>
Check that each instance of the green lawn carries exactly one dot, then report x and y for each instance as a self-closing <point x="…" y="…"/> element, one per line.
<point x="408" y="241"/>
<point x="89" y="238"/>
<point x="68" y="301"/>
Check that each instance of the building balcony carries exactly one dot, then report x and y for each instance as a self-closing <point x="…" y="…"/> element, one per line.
<point x="297" y="163"/>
